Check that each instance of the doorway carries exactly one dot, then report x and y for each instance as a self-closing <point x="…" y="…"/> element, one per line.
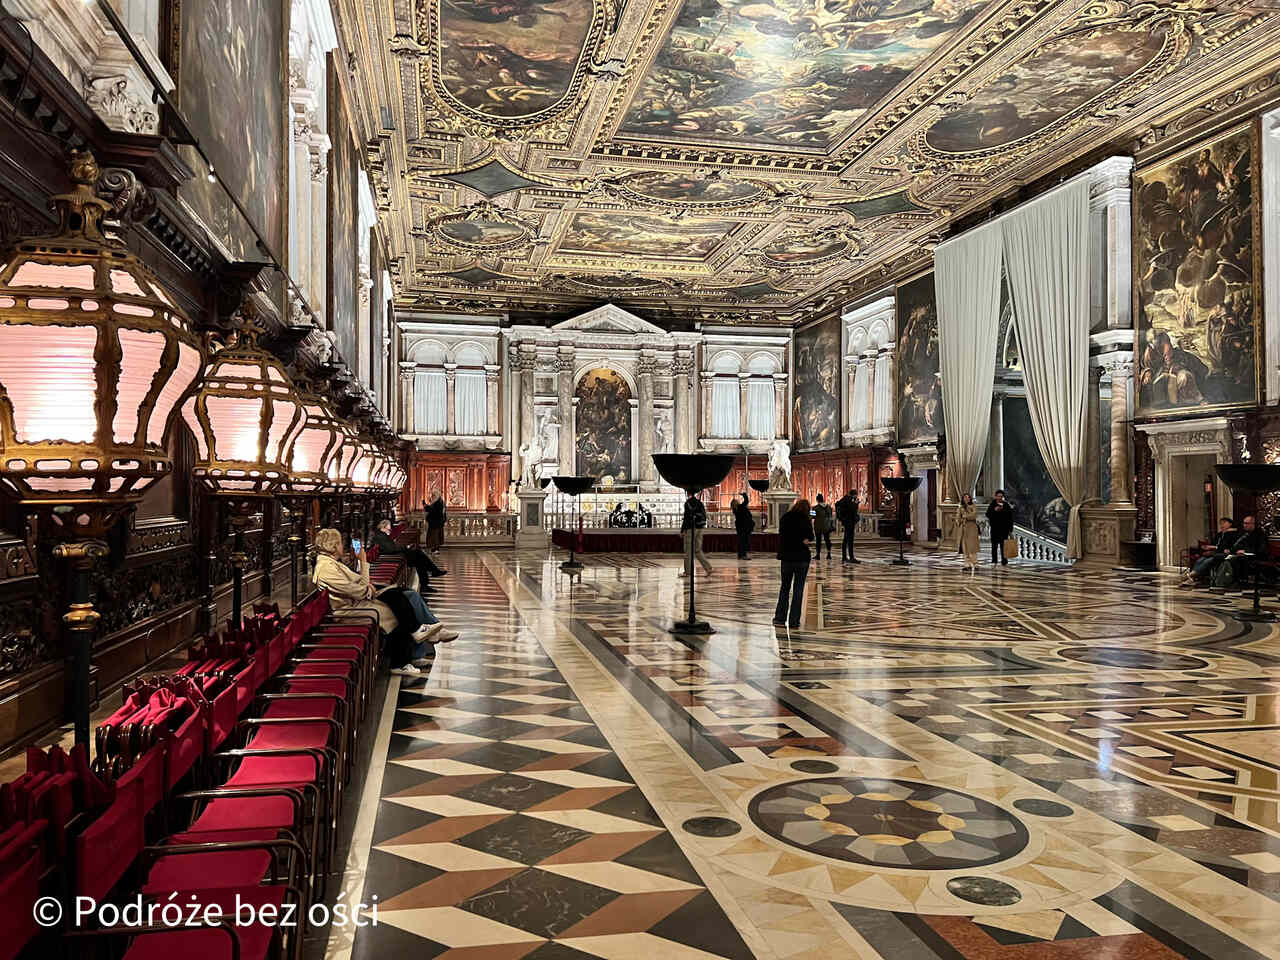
<point x="1193" y="500"/>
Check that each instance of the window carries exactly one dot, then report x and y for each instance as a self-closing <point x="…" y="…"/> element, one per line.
<point x="430" y="402"/>
<point x="760" y="408"/>
<point x="470" y="416"/>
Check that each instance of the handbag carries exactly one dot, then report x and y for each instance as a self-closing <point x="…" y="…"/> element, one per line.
<point x="1010" y="548"/>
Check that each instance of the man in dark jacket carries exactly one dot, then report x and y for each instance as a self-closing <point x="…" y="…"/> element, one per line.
<point x="425" y="567"/>
<point x="436" y="517"/>
<point x="692" y="527"/>
<point x="1248" y="546"/>
<point x="744" y="523"/>
<point x="823" y="521"/>
<point x="1000" y="522"/>
<point x="847" y="514"/>
<point x="1227" y="536"/>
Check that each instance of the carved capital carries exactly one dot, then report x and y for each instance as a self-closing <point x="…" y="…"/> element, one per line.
<point x="120" y="107"/>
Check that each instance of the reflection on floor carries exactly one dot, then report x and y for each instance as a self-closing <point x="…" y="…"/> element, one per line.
<point x="1030" y="762"/>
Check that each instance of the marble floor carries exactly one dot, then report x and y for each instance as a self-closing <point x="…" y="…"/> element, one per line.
<point x="1029" y="762"/>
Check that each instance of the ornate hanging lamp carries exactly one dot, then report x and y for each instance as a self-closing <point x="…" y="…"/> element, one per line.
<point x="94" y="355"/>
<point x="246" y="415"/>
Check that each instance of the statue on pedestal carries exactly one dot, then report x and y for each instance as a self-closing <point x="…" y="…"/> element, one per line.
<point x="780" y="465"/>
<point x="533" y="452"/>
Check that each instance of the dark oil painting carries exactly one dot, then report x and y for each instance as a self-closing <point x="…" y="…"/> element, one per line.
<point x="798" y="251"/>
<point x="788" y="72"/>
<point x="919" y="383"/>
<point x="815" y="414"/>
<point x="882" y="206"/>
<point x="677" y="187"/>
<point x="1037" y="504"/>
<point x="644" y="236"/>
<point x="480" y="233"/>
<point x="1045" y="87"/>
<point x="511" y="58"/>
<point x="1195" y="278"/>
<point x="229" y="63"/>
<point x="604" y="425"/>
<point x="343" y="220"/>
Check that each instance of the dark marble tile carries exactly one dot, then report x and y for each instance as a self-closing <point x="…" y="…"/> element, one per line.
<point x="526" y="840"/>
<point x="542" y="903"/>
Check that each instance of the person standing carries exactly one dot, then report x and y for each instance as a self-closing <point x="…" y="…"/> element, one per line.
<point x="967" y="531"/>
<point x="847" y="514"/>
<point x="1000" y="521"/>
<point x="436" y="517"/>
<point x="692" y="526"/>
<point x="744" y="523"/>
<point x="795" y="530"/>
<point x="822" y="524"/>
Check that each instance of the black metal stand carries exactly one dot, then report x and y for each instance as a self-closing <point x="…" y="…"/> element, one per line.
<point x="1257" y="614"/>
<point x="82" y="622"/>
<point x="571" y="563"/>
<point x="692" y="625"/>
<point x="902" y="561"/>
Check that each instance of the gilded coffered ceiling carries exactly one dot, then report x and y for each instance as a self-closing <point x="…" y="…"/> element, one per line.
<point x="743" y="160"/>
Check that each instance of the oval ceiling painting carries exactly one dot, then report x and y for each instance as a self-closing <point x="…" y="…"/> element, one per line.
<point x="1044" y="88"/>
<point x="683" y="189"/>
<point x="481" y="234"/>
<point x="512" y="59"/>
<point x="804" y="251"/>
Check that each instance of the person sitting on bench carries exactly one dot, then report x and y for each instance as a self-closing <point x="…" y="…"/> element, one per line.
<point x="1227" y="535"/>
<point x="1241" y="550"/>
<point x="425" y="567"/>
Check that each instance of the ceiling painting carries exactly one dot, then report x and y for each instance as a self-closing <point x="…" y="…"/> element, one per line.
<point x="623" y="234"/>
<point x="749" y="161"/>
<point x="1042" y="89"/>
<point x="788" y="72"/>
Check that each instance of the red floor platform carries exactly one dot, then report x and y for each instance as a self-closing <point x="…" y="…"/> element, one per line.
<point x="714" y="540"/>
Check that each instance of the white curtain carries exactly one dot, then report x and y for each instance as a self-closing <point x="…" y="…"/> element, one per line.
<point x="760" y="408"/>
<point x="430" y="412"/>
<point x="967" y="280"/>
<point x="726" y="421"/>
<point x="470" y="413"/>
<point x="1046" y="247"/>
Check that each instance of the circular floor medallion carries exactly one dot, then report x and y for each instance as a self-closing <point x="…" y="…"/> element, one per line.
<point x="888" y="823"/>
<point x="1132" y="659"/>
<point x="711" y="827"/>
<point x="984" y="890"/>
<point x="814" y="766"/>
<point x="1042" y="808"/>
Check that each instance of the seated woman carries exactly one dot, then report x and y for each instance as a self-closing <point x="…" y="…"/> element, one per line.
<point x="407" y="627"/>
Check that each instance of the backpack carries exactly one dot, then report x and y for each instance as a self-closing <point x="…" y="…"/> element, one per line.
<point x="1224" y="575"/>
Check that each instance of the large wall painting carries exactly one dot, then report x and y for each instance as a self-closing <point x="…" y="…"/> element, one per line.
<point x="343" y="220"/>
<point x="644" y="236"/>
<point x="228" y="61"/>
<point x="1037" y="504"/>
<point x="604" y="425"/>
<point x="919" y="384"/>
<point x="815" y="413"/>
<point x="1195" y="278"/>
<point x="1060" y="77"/>
<point x="793" y="72"/>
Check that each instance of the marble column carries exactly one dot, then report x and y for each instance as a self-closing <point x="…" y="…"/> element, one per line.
<point x="318" y="292"/>
<point x="491" y="373"/>
<point x="564" y="403"/>
<point x="744" y="379"/>
<point x="300" y="233"/>
<point x="1121" y="369"/>
<point x="883" y="411"/>
<point x="525" y="389"/>
<point x="705" y="403"/>
<point x="682" y="402"/>
<point x="780" y="405"/>
<point x="1271" y="250"/>
<point x="644" y="384"/>
<point x="450" y="380"/>
<point x="1093" y="441"/>
<point x="407" y="373"/>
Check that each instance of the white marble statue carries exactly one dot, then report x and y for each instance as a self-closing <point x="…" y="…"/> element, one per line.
<point x="780" y="465"/>
<point x="531" y="454"/>
<point x="662" y="434"/>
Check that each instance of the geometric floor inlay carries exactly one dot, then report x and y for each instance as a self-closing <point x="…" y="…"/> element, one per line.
<point x="891" y="823"/>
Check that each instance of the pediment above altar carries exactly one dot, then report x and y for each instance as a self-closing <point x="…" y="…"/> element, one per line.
<point x="610" y="319"/>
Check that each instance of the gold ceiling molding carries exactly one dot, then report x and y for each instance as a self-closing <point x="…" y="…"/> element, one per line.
<point x="501" y="173"/>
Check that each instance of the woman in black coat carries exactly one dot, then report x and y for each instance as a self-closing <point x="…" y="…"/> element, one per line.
<point x="744" y="523"/>
<point x="1000" y="521"/>
<point x="795" y="531"/>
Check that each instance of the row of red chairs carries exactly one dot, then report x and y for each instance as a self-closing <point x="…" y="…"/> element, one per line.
<point x="259" y="729"/>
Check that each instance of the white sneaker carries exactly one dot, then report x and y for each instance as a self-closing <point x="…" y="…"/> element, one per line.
<point x="408" y="670"/>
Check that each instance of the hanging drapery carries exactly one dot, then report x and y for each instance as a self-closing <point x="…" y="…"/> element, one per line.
<point x="1046" y="247"/>
<point x="470" y="415"/>
<point x="967" y="280"/>
<point x="726" y="420"/>
<point x="430" y="404"/>
<point x="760" y="408"/>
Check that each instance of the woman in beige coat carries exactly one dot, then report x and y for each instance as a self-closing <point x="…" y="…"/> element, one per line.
<point x="967" y="530"/>
<point x="350" y="592"/>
